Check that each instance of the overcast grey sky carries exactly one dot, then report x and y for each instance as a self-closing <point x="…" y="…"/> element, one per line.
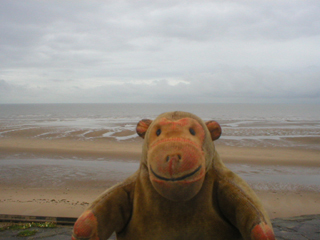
<point x="159" y="51"/>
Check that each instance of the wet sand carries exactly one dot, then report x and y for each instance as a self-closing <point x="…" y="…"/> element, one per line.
<point x="71" y="202"/>
<point x="113" y="149"/>
<point x="54" y="181"/>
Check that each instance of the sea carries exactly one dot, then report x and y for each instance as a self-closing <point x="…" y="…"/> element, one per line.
<point x="243" y="125"/>
<point x="248" y="125"/>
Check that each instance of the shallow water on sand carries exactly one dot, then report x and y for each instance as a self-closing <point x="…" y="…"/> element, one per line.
<point x="275" y="178"/>
<point x="60" y="172"/>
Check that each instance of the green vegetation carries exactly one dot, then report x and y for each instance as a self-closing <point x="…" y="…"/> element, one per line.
<point x="27" y="233"/>
<point x="19" y="226"/>
<point x="25" y="227"/>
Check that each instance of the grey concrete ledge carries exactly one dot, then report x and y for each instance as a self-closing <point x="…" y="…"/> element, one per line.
<point x="294" y="228"/>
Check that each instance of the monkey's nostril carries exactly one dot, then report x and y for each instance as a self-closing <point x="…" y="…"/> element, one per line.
<point x="168" y="158"/>
<point x="179" y="156"/>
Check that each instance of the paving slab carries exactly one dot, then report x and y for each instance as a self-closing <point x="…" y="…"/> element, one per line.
<point x="297" y="228"/>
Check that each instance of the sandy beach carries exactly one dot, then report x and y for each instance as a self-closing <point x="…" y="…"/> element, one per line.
<point x="71" y="202"/>
<point x="61" y="177"/>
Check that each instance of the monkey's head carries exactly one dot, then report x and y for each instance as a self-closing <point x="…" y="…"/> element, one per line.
<point x="177" y="152"/>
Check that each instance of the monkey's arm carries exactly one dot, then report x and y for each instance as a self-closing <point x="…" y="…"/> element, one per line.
<point x="240" y="205"/>
<point x="107" y="214"/>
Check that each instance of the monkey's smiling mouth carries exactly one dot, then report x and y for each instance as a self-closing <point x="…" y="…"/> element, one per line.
<point x="175" y="179"/>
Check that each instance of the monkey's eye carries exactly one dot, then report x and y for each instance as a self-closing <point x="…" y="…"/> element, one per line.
<point x="158" y="132"/>
<point x="191" y="130"/>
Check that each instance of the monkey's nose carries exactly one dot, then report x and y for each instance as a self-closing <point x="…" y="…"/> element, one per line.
<point x="173" y="157"/>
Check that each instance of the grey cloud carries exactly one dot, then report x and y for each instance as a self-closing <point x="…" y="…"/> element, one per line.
<point x="53" y="50"/>
<point x="248" y="82"/>
<point x="223" y="85"/>
<point x="10" y="92"/>
<point x="4" y="87"/>
<point x="228" y="20"/>
<point x="243" y="85"/>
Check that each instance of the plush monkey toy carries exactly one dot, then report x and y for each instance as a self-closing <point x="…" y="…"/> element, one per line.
<point x="182" y="191"/>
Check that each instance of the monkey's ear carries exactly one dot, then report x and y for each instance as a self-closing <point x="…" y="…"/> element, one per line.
<point x="143" y="126"/>
<point x="214" y="129"/>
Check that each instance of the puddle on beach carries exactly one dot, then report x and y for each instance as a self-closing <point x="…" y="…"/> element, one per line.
<point x="274" y="178"/>
<point x="59" y="172"/>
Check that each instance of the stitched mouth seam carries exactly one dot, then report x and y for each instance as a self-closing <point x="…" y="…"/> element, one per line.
<point x="175" y="179"/>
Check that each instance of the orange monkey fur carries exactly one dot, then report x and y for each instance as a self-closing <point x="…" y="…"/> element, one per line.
<point x="182" y="190"/>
